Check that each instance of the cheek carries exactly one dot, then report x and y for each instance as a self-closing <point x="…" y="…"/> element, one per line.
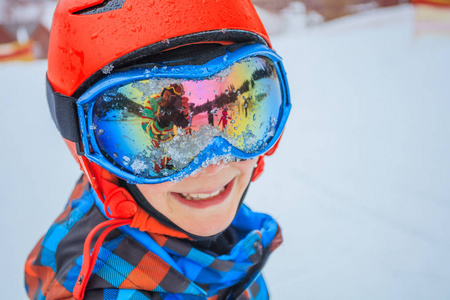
<point x="155" y="190"/>
<point x="245" y="167"/>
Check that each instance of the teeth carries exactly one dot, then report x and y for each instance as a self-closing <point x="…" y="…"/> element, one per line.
<point x="202" y="196"/>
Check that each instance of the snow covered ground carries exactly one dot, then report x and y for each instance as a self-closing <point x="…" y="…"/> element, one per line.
<point x="360" y="183"/>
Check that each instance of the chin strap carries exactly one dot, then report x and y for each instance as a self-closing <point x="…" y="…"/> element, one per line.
<point x="119" y="206"/>
<point x="259" y="168"/>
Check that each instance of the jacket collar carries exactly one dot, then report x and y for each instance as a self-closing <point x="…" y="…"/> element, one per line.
<point x="191" y="271"/>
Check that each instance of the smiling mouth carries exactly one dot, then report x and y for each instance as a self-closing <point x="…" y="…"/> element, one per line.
<point x="197" y="197"/>
<point x="203" y="200"/>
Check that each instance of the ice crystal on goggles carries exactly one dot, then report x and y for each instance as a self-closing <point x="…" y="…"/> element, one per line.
<point x="156" y="127"/>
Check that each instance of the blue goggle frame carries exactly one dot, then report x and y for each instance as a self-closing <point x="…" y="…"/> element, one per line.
<point x="218" y="147"/>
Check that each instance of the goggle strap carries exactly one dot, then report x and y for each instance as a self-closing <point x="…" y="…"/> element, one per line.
<point x="64" y="113"/>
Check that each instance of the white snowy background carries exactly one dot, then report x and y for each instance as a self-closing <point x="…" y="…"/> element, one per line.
<point x="359" y="184"/>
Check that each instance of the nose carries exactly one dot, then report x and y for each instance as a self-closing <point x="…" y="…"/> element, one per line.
<point x="212" y="169"/>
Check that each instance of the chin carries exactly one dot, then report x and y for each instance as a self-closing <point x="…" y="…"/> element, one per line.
<point x="209" y="227"/>
<point x="208" y="221"/>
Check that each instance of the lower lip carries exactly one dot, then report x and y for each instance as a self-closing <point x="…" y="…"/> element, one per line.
<point x="207" y="202"/>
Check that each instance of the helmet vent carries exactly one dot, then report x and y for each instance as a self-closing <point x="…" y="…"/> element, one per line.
<point x="107" y="5"/>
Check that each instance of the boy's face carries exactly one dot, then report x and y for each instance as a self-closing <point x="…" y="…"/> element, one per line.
<point x="166" y="96"/>
<point x="204" y="204"/>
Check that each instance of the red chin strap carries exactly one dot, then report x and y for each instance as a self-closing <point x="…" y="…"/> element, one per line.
<point x="119" y="206"/>
<point x="259" y="168"/>
<point x="118" y="203"/>
<point x="260" y="164"/>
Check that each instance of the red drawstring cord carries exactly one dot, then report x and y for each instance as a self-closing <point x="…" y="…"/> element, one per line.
<point x="88" y="259"/>
<point x="118" y="205"/>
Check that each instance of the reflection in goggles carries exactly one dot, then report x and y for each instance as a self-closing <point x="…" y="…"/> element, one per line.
<point x="154" y="128"/>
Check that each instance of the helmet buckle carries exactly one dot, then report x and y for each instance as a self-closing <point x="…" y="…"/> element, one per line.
<point x="120" y="204"/>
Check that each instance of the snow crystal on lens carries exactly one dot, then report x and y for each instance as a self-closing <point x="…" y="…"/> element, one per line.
<point x="139" y="165"/>
<point x="154" y="86"/>
<point x="184" y="147"/>
<point x="216" y="160"/>
<point x="107" y="69"/>
<point x="272" y="127"/>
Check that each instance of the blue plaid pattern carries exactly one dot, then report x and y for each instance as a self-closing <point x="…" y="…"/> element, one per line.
<point x="126" y="269"/>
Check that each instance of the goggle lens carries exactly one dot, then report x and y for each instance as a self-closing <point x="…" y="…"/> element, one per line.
<point x="154" y="128"/>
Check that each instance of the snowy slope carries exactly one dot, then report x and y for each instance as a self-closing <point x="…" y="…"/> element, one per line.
<point x="365" y="204"/>
<point x="359" y="184"/>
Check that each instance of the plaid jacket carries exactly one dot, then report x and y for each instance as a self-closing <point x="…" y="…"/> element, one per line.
<point x="143" y="265"/>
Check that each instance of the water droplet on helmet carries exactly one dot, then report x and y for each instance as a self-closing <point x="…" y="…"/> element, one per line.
<point x="115" y="155"/>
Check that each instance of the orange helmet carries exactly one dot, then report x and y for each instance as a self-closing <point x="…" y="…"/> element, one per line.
<point x="89" y="38"/>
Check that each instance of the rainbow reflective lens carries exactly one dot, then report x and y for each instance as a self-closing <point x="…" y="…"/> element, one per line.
<point x="150" y="125"/>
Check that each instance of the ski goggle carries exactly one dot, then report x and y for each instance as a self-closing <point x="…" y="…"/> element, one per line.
<point x="164" y="122"/>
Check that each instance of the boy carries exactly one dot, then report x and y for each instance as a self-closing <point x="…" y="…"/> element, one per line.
<point x="159" y="213"/>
